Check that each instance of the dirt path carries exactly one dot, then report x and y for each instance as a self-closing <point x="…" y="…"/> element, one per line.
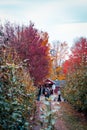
<point x="60" y="123"/>
<point x="67" y="117"/>
<point x="73" y="119"/>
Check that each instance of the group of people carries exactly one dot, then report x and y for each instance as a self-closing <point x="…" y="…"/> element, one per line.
<point x="47" y="91"/>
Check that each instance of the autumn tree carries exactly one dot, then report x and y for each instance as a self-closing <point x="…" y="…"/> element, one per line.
<point x="76" y="72"/>
<point x="78" y="56"/>
<point x="59" y="53"/>
<point x="79" y="52"/>
<point x="32" y="46"/>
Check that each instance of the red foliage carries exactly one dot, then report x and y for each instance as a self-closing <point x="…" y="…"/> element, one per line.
<point x="31" y="46"/>
<point x="78" y="56"/>
<point x="79" y="51"/>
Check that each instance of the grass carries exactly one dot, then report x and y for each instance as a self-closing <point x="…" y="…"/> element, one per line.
<point x="73" y="119"/>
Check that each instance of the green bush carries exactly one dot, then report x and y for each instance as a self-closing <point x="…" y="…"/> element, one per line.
<point x="17" y="102"/>
<point x="75" y="90"/>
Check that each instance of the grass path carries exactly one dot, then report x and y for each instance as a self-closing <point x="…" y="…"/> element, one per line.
<point x="72" y="119"/>
<point x="67" y="117"/>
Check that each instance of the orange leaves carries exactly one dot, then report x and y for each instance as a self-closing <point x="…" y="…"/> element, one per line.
<point x="59" y="53"/>
<point x="58" y="69"/>
<point x="61" y="77"/>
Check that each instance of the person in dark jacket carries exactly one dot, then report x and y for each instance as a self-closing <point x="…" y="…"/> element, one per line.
<point x="39" y="94"/>
<point x="47" y="92"/>
<point x="59" y="96"/>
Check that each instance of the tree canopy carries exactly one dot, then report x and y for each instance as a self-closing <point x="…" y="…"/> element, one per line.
<point x="32" y="46"/>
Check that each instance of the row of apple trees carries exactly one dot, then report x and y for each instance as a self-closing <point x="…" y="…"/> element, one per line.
<point x="24" y="63"/>
<point x="75" y="69"/>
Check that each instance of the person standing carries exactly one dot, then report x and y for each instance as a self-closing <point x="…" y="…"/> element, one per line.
<point x="47" y="92"/>
<point x="39" y="93"/>
<point x="53" y="87"/>
<point x="59" y="96"/>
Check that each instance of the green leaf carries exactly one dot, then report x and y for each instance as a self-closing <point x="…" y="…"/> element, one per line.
<point x="15" y="103"/>
<point x="16" y="115"/>
<point x="26" y="124"/>
<point x="46" y="103"/>
<point x="53" y="121"/>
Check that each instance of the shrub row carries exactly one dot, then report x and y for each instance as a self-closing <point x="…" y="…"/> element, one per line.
<point x="75" y="89"/>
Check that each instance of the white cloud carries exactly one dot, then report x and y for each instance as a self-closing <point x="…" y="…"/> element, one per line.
<point x="10" y="2"/>
<point x="68" y="32"/>
<point x="47" y="12"/>
<point x="47" y="15"/>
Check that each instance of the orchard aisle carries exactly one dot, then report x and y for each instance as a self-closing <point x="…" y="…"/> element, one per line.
<point x="55" y="106"/>
<point x="60" y="123"/>
<point x="67" y="117"/>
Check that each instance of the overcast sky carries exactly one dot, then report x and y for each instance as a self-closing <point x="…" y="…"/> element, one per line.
<point x="64" y="20"/>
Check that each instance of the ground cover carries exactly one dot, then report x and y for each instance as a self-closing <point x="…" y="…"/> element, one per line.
<point x="72" y="119"/>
